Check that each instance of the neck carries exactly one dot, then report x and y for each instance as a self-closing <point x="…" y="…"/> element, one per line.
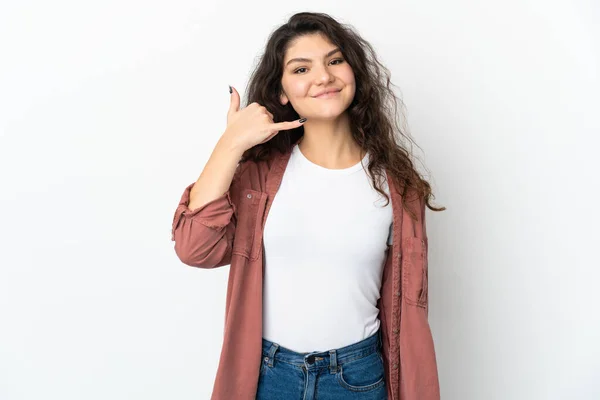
<point x="330" y="143"/>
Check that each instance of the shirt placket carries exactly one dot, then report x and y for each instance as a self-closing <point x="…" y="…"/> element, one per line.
<point x="395" y="342"/>
<point x="396" y="292"/>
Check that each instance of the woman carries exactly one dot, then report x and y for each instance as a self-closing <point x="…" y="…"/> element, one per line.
<point x="327" y="290"/>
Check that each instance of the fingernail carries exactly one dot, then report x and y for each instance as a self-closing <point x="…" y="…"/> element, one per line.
<point x="230" y="91"/>
<point x="301" y="120"/>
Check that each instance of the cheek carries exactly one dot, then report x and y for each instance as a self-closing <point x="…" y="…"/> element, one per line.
<point x="348" y="76"/>
<point x="299" y="88"/>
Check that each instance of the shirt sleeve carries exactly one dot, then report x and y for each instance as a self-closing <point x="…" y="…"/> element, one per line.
<point x="204" y="236"/>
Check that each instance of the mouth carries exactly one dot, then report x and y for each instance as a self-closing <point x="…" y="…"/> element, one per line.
<point x="328" y="95"/>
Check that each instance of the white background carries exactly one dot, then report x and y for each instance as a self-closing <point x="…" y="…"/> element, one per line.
<point x="109" y="109"/>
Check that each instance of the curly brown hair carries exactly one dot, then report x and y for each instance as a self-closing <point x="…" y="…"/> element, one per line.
<point x="372" y="113"/>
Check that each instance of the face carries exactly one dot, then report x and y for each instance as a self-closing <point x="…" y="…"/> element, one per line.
<point x="311" y="66"/>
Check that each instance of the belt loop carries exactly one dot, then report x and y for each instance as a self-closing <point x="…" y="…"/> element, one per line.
<point x="332" y="362"/>
<point x="272" y="351"/>
<point x="379" y="338"/>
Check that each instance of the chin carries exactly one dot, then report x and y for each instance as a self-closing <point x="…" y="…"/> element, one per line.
<point x="330" y="114"/>
<point x="323" y="116"/>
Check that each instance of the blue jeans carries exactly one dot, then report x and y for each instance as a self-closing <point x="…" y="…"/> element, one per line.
<point x="351" y="372"/>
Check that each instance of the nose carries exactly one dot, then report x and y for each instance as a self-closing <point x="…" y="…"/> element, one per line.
<point x="324" y="76"/>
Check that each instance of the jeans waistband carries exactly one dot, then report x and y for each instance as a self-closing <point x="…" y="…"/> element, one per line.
<point x="317" y="359"/>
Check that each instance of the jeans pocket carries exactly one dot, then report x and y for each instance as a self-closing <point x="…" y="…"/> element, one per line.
<point x="363" y="374"/>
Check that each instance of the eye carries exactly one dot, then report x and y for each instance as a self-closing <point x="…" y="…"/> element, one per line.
<point x="341" y="60"/>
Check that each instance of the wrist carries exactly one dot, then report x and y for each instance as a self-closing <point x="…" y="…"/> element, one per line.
<point x="230" y="145"/>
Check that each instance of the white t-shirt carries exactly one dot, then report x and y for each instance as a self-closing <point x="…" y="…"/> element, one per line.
<point x="325" y="242"/>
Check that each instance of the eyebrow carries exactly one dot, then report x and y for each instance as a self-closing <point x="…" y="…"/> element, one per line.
<point x="309" y="60"/>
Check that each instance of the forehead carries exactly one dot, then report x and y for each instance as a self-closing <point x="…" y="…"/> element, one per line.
<point x="311" y="46"/>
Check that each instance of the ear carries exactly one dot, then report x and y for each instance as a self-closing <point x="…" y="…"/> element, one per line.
<point x="283" y="99"/>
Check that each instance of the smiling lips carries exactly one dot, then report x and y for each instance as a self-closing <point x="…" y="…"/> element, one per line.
<point x="327" y="94"/>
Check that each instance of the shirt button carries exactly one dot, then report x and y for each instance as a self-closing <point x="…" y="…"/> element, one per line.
<point x="249" y="196"/>
<point x="398" y="294"/>
<point x="395" y="365"/>
<point x="396" y="331"/>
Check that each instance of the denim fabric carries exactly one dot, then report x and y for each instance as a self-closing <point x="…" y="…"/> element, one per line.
<point x="351" y="372"/>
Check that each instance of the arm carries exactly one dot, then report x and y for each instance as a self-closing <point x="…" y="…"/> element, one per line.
<point x="204" y="222"/>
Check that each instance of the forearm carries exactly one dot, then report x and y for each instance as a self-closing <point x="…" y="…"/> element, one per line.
<point x="217" y="174"/>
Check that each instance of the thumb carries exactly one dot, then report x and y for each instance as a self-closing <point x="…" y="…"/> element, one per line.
<point x="234" y="105"/>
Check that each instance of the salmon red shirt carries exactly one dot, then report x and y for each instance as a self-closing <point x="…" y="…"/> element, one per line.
<point x="229" y="231"/>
